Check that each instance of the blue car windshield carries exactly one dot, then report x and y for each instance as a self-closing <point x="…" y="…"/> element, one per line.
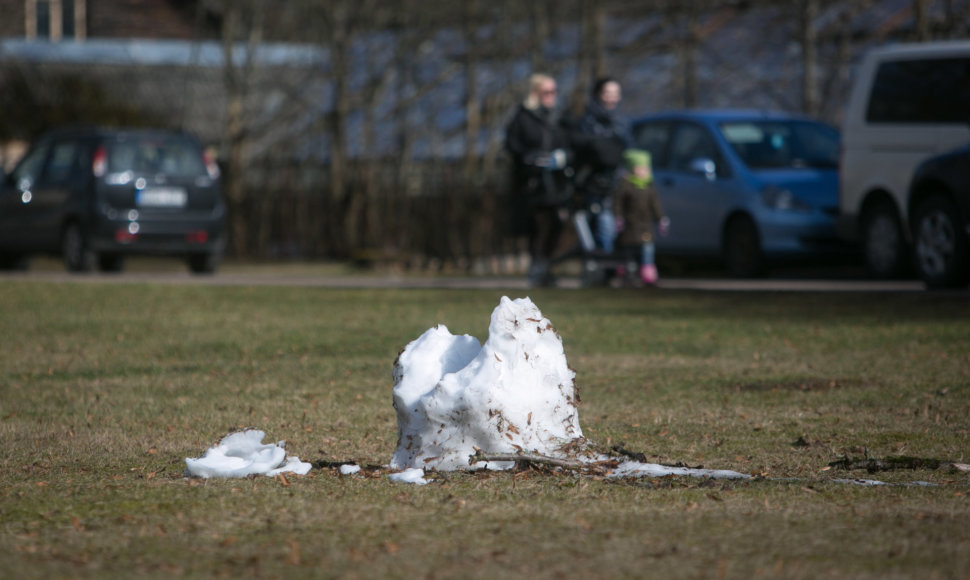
<point x="772" y="144"/>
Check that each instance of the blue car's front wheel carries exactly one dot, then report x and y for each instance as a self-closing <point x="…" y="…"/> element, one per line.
<point x="742" y="248"/>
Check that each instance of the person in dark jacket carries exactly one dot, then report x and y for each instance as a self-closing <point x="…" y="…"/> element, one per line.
<point x="639" y="209"/>
<point x="599" y="138"/>
<point x="538" y="145"/>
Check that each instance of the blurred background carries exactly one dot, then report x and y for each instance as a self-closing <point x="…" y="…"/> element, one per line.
<point x="372" y="130"/>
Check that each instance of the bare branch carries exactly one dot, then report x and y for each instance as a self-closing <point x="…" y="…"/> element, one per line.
<point x="536" y="459"/>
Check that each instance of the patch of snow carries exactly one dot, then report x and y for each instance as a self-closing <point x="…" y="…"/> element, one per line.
<point x="877" y="483"/>
<point x="515" y="393"/>
<point x="413" y="475"/>
<point x="637" y="469"/>
<point x="349" y="469"/>
<point x="242" y="454"/>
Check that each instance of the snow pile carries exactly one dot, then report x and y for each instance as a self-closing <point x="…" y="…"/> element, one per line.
<point x="515" y="393"/>
<point x="455" y="397"/>
<point x="242" y="454"/>
<point x="637" y="469"/>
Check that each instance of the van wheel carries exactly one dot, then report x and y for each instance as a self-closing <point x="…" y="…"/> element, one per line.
<point x="204" y="263"/>
<point x="14" y="262"/>
<point x="882" y="239"/>
<point x="111" y="262"/>
<point x="941" y="244"/>
<point x="74" y="249"/>
<point x="742" y="249"/>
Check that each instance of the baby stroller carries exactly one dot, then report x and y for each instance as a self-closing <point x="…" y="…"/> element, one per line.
<point x="600" y="268"/>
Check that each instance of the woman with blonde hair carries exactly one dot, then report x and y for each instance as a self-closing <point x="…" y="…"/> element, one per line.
<point x="537" y="143"/>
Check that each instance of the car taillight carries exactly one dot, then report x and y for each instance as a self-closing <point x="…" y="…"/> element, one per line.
<point x="100" y="163"/>
<point x="210" y="164"/>
<point x="125" y="236"/>
<point x="197" y="237"/>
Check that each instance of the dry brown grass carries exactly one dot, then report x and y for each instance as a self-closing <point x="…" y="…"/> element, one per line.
<point x="105" y="389"/>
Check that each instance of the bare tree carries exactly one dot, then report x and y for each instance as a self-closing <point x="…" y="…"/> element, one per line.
<point x="241" y="20"/>
<point x="471" y="20"/>
<point x="809" y="38"/>
<point x="688" y="52"/>
<point x="921" y="17"/>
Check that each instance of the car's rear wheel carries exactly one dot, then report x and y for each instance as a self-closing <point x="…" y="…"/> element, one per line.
<point x="14" y="262"/>
<point x="206" y="263"/>
<point x="941" y="244"/>
<point x="75" y="251"/>
<point x="882" y="239"/>
<point x="111" y="262"/>
<point x="742" y="248"/>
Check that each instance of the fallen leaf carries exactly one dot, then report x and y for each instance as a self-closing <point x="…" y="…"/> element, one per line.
<point x="294" y="557"/>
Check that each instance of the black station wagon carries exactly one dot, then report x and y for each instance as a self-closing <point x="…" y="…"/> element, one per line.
<point x="95" y="196"/>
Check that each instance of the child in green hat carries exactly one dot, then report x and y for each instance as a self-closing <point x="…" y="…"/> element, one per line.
<point x="638" y="208"/>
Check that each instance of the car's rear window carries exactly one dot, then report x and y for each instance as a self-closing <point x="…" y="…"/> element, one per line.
<point x="776" y="144"/>
<point x="172" y="156"/>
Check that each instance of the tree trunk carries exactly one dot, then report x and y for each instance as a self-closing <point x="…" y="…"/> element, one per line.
<point x="585" y="58"/>
<point x="236" y="79"/>
<point x="540" y="27"/>
<point x="921" y="17"/>
<point x="689" y="54"/>
<point x="473" y="104"/>
<point x="598" y="23"/>
<point x="809" y="13"/>
<point x="339" y="49"/>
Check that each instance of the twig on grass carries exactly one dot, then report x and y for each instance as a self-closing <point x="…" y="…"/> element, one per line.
<point x="873" y="465"/>
<point x="536" y="459"/>
<point x="619" y="449"/>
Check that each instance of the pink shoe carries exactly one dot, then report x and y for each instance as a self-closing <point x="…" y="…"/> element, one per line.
<point x="648" y="273"/>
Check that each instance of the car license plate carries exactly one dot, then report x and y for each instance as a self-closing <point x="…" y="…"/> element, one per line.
<point x="161" y="197"/>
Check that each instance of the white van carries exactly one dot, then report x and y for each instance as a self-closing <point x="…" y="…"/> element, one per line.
<point x="908" y="102"/>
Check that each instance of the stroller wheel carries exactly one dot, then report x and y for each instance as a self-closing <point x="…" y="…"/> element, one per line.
<point x="593" y="274"/>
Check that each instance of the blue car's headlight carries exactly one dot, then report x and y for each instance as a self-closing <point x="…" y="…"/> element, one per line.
<point x="782" y="199"/>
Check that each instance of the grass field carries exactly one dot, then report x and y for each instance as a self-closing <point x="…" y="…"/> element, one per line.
<point x="105" y="389"/>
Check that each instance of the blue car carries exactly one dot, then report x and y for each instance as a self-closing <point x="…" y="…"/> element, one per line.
<point x="749" y="187"/>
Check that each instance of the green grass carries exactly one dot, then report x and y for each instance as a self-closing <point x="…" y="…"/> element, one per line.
<point x="106" y="388"/>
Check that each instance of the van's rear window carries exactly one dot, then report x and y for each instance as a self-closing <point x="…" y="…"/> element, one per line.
<point x="921" y="91"/>
<point x="174" y="157"/>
